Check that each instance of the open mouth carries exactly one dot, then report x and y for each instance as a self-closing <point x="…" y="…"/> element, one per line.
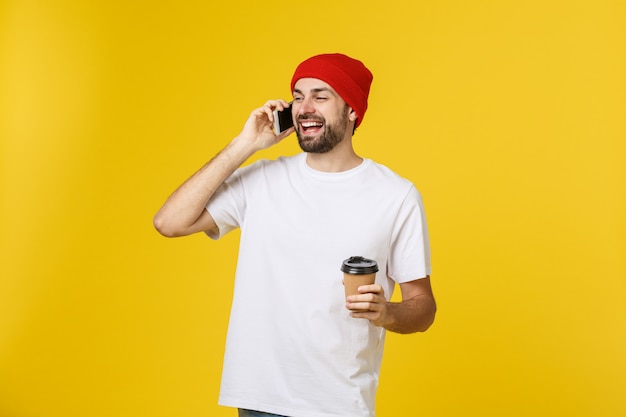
<point x="310" y="126"/>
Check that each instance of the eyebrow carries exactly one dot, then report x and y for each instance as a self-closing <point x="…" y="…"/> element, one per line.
<point x="316" y="90"/>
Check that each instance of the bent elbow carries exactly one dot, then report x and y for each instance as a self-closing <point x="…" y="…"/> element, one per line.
<point x="431" y="319"/>
<point x="428" y="319"/>
<point x="163" y="227"/>
<point x="426" y="326"/>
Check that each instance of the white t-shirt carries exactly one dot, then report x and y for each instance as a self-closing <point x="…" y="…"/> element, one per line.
<point x="292" y="347"/>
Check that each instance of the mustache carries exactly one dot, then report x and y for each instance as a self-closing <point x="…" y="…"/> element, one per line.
<point x="309" y="117"/>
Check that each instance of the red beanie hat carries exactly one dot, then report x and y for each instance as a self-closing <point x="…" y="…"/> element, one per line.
<point x="347" y="76"/>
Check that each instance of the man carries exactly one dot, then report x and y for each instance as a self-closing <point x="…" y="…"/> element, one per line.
<point x="296" y="346"/>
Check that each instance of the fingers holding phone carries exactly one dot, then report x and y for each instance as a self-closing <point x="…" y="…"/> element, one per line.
<point x="259" y="128"/>
<point x="283" y="119"/>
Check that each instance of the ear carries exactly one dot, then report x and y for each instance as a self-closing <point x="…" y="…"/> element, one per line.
<point x="352" y="116"/>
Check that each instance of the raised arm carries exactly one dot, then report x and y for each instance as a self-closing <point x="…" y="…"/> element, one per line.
<point x="184" y="211"/>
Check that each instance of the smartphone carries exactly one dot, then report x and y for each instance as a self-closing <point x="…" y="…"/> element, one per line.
<point x="282" y="120"/>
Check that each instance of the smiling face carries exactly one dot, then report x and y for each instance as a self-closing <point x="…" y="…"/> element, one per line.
<point x="321" y="117"/>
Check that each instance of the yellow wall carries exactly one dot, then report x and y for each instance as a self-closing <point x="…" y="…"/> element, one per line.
<point x="509" y="116"/>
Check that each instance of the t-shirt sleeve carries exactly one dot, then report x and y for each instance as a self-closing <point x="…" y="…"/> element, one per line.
<point x="409" y="256"/>
<point x="227" y="206"/>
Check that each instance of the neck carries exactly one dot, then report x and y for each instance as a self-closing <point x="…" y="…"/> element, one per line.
<point x="341" y="158"/>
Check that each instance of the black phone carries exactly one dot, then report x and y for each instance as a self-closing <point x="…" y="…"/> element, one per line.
<point x="282" y="120"/>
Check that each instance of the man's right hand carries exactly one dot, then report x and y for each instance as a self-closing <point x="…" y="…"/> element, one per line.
<point x="258" y="131"/>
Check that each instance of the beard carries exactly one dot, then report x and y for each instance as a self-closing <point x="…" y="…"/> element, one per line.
<point x="333" y="135"/>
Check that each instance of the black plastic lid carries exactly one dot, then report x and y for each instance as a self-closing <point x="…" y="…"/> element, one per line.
<point x="359" y="265"/>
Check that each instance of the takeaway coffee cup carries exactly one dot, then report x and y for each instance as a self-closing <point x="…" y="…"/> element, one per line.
<point x="358" y="271"/>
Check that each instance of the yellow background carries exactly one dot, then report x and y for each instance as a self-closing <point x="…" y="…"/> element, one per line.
<point x="509" y="116"/>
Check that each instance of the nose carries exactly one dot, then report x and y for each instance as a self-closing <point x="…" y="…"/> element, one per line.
<point x="305" y="106"/>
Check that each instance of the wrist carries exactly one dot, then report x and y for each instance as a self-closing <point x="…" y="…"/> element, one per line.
<point x="241" y="148"/>
<point x="387" y="319"/>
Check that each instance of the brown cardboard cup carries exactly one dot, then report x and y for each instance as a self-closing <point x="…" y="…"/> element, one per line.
<point x="352" y="282"/>
<point x="358" y="271"/>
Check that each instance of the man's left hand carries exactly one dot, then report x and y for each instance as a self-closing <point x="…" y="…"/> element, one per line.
<point x="369" y="304"/>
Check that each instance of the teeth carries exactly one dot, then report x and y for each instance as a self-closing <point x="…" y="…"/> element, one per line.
<point x="311" y="124"/>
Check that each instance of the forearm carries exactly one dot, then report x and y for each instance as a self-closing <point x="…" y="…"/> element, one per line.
<point x="409" y="316"/>
<point x="183" y="208"/>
